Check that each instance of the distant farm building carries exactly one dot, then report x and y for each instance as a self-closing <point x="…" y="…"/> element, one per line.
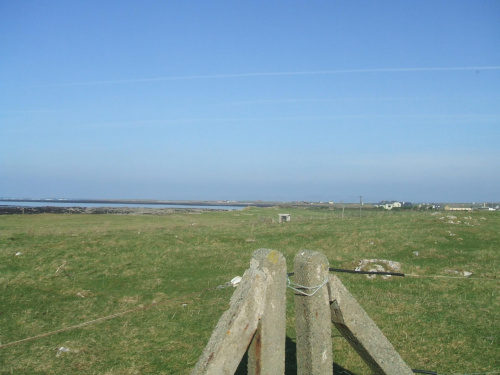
<point x="457" y="208"/>
<point x="284" y="218"/>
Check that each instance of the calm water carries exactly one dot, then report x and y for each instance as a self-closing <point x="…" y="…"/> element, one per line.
<point x="66" y="204"/>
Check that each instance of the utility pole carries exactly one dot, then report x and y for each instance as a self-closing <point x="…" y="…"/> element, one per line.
<point x="360" y="204"/>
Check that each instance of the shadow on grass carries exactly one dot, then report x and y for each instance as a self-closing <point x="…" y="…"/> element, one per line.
<point x="339" y="370"/>
<point x="290" y="362"/>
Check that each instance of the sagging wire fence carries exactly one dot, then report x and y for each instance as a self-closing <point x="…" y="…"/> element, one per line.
<point x="118" y="314"/>
<point x="383" y="273"/>
<point x="233" y="282"/>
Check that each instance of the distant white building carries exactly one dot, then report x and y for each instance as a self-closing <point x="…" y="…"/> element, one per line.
<point x="389" y="205"/>
<point x="284" y="218"/>
<point x="457" y="208"/>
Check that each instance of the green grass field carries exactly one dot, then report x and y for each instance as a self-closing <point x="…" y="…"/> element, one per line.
<point x="73" y="269"/>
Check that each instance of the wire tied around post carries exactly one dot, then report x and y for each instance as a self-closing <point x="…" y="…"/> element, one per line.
<point x="300" y="288"/>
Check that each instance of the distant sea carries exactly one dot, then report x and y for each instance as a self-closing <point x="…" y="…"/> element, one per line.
<point x="57" y="203"/>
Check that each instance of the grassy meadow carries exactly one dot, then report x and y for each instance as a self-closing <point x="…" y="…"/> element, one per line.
<point x="59" y="271"/>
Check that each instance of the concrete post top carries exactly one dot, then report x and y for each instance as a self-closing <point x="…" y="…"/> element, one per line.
<point x="311" y="256"/>
<point x="307" y="259"/>
<point x="268" y="256"/>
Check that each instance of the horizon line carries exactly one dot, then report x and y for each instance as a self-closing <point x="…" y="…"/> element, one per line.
<point x="218" y="201"/>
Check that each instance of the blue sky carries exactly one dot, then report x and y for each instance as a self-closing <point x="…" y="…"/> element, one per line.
<point x="246" y="100"/>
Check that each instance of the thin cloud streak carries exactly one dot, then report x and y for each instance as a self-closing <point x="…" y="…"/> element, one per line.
<point x="25" y="111"/>
<point x="271" y="74"/>
<point x="352" y="99"/>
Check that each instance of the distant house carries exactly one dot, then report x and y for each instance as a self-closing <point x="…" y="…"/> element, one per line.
<point x="389" y="205"/>
<point x="488" y="207"/>
<point x="383" y="204"/>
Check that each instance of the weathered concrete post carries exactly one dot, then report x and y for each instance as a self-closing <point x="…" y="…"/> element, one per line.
<point x="362" y="333"/>
<point x="266" y="354"/>
<point x="312" y="314"/>
<point x="237" y="327"/>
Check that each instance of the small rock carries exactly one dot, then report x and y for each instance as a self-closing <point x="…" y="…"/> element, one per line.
<point x="378" y="265"/>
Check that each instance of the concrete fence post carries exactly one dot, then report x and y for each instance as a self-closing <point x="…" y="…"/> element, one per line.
<point x="266" y="354"/>
<point x="256" y="321"/>
<point x="237" y="327"/>
<point x="362" y="333"/>
<point x="312" y="314"/>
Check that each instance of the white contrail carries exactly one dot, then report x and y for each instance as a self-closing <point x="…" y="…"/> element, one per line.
<point x="344" y="99"/>
<point x="25" y="111"/>
<point x="276" y="74"/>
<point x="456" y="118"/>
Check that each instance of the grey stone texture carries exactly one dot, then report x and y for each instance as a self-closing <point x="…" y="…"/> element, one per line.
<point x="312" y="315"/>
<point x="266" y="354"/>
<point x="238" y="325"/>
